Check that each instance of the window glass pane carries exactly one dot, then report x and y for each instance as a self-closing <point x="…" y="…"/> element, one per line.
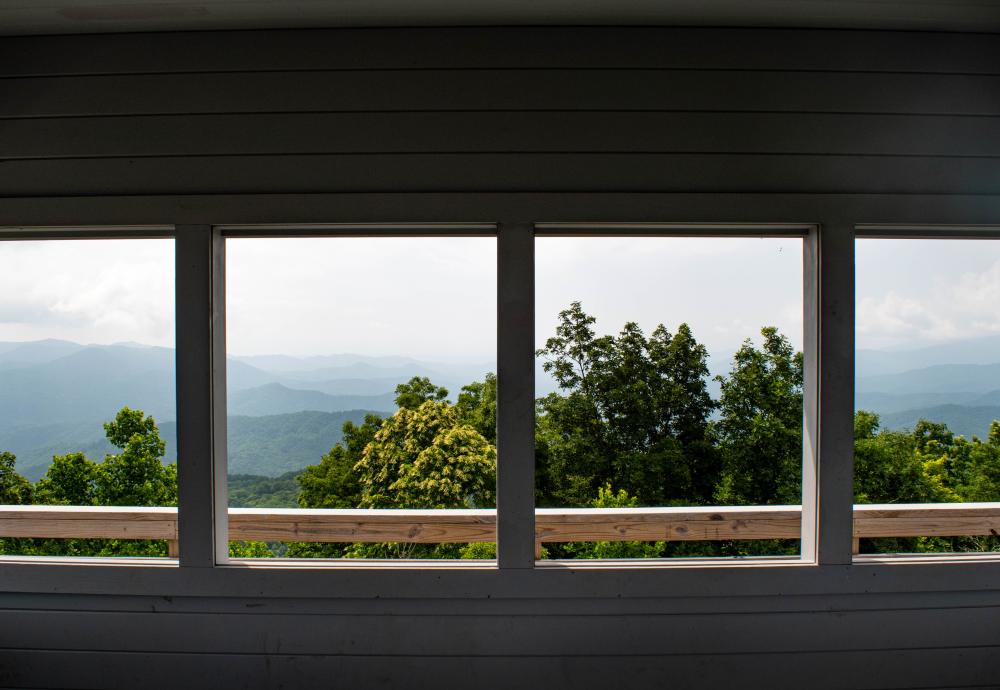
<point x="87" y="405"/>
<point x="361" y="377"/>
<point x="927" y="393"/>
<point x="669" y="377"/>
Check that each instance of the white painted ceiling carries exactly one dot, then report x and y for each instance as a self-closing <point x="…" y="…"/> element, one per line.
<point x="97" y="16"/>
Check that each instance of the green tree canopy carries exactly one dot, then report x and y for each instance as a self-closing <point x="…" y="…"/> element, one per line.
<point x="334" y="483"/>
<point x="477" y="406"/>
<point x="759" y="429"/>
<point x="70" y="480"/>
<point x="14" y="489"/>
<point x="417" y="391"/>
<point x="632" y="411"/>
<point x="136" y="476"/>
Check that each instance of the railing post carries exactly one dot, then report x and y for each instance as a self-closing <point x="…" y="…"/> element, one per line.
<point x="201" y="396"/>
<point x="515" y="395"/>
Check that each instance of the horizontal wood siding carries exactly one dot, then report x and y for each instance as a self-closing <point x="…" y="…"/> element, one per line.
<point x="455" y="643"/>
<point x="651" y="110"/>
<point x="110" y="119"/>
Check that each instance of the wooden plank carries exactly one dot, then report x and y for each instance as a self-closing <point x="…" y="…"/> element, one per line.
<point x="438" y="207"/>
<point x="552" y="524"/>
<point x="493" y="89"/>
<point x="500" y="632"/>
<point x="667" y="603"/>
<point x="538" y="47"/>
<point x="367" y="173"/>
<point x="422" y="527"/>
<point x="92" y="522"/>
<point x="485" y="132"/>
<point x="670" y="524"/>
<point x="952" y="667"/>
<point x="931" y="520"/>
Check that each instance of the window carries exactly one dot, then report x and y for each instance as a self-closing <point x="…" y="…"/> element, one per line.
<point x="927" y="396"/>
<point x="362" y="396"/>
<point x="670" y="395"/>
<point x="87" y="397"/>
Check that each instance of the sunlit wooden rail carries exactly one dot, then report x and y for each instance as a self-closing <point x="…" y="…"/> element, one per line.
<point x="459" y="526"/>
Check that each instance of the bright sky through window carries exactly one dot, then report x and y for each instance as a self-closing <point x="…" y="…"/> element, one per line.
<point x="949" y="290"/>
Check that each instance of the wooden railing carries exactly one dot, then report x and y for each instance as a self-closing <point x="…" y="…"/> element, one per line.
<point x="460" y="526"/>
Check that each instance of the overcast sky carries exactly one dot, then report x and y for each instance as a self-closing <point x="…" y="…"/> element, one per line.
<point x="922" y="292"/>
<point x="435" y="298"/>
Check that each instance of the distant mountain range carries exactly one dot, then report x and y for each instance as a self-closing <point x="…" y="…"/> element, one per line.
<point x="983" y="350"/>
<point x="963" y="420"/>
<point x="54" y="396"/>
<point x="287" y="411"/>
<point x="58" y="382"/>
<point x="957" y="383"/>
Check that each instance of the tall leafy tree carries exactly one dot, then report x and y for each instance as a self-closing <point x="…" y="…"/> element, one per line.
<point x="632" y="411"/>
<point x="759" y="429"/>
<point x="136" y="476"/>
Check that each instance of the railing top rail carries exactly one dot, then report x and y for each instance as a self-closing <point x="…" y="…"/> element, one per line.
<point x="479" y="525"/>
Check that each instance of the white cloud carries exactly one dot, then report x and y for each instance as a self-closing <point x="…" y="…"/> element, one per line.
<point x="941" y="290"/>
<point x="92" y="291"/>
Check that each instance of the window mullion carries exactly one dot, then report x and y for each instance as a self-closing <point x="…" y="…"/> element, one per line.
<point x="201" y="402"/>
<point x="515" y="396"/>
<point x="828" y="479"/>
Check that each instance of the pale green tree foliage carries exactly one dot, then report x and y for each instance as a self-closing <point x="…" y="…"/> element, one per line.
<point x="425" y="458"/>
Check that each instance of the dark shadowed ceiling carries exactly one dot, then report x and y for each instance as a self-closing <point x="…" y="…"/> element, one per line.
<point x="94" y="16"/>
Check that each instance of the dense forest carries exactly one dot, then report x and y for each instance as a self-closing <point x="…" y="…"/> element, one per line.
<point x="632" y="423"/>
